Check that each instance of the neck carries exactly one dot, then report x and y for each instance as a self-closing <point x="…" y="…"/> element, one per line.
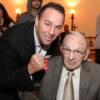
<point x="34" y="12"/>
<point x="45" y="47"/>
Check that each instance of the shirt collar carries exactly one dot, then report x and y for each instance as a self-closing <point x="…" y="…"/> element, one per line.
<point x="76" y="71"/>
<point x="38" y="47"/>
<point x="36" y="38"/>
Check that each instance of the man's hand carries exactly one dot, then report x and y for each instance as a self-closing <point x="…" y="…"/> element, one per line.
<point x="36" y="63"/>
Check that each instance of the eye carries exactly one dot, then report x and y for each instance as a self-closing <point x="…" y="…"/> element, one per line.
<point x="58" y="28"/>
<point x="47" y="23"/>
<point x="66" y="50"/>
<point x="78" y="52"/>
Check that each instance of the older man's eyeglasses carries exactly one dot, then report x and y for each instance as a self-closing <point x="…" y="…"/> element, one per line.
<point x="75" y="52"/>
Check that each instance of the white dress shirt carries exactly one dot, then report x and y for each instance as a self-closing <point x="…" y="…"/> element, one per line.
<point x="76" y="83"/>
<point x="38" y="48"/>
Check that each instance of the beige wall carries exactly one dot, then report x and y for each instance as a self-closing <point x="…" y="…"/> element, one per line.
<point x="11" y="5"/>
<point x="85" y="17"/>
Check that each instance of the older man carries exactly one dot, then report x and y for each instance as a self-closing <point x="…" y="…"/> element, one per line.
<point x="85" y="79"/>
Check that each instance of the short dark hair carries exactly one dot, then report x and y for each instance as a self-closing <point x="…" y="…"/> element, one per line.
<point x="55" y="6"/>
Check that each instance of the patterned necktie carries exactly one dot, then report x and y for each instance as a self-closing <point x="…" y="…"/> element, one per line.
<point x="68" y="89"/>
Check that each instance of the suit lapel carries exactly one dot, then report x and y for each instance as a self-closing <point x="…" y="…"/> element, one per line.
<point x="58" y="71"/>
<point x="85" y="79"/>
<point x="30" y="39"/>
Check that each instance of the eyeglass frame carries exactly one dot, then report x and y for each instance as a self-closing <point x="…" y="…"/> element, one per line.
<point x="76" y="52"/>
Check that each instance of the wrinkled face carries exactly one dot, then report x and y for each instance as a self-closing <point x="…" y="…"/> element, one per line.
<point x="36" y="4"/>
<point x="74" y="51"/>
<point x="1" y="13"/>
<point x="49" y="25"/>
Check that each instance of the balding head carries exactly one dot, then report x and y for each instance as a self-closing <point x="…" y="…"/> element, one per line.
<point x="74" y="50"/>
<point x="77" y="38"/>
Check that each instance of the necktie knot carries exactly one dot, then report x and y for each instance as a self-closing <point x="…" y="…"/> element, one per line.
<point x="70" y="74"/>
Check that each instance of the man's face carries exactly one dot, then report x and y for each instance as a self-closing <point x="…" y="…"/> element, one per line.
<point x="49" y="25"/>
<point x="74" y="51"/>
<point x="36" y="4"/>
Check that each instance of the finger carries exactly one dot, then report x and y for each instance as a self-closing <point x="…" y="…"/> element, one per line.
<point x="45" y="64"/>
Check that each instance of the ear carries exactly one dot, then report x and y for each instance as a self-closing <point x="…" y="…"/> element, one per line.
<point x="36" y="20"/>
<point x="61" y="48"/>
<point x="87" y="54"/>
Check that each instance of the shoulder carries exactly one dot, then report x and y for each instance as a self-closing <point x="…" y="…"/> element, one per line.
<point x="91" y="67"/>
<point x="22" y="18"/>
<point x="55" y="58"/>
<point x="25" y="14"/>
<point x="25" y="25"/>
<point x="55" y="61"/>
<point x="19" y="31"/>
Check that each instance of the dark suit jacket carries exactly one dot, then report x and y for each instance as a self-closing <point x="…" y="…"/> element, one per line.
<point x="16" y="49"/>
<point x="89" y="80"/>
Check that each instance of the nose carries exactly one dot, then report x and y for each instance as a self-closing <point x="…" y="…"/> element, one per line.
<point x="51" y="31"/>
<point x="71" y="55"/>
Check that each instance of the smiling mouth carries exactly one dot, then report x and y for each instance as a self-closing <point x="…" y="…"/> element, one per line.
<point x="48" y="38"/>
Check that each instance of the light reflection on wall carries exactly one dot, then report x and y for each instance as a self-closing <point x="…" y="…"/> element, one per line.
<point x="71" y="7"/>
<point x="11" y="6"/>
<point x="71" y="3"/>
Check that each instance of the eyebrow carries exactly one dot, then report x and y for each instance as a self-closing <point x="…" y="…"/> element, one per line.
<point x="67" y="47"/>
<point x="52" y="23"/>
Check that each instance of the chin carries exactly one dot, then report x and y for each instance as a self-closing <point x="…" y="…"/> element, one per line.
<point x="71" y="68"/>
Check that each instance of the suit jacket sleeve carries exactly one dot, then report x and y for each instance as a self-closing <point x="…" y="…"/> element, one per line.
<point x="16" y="48"/>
